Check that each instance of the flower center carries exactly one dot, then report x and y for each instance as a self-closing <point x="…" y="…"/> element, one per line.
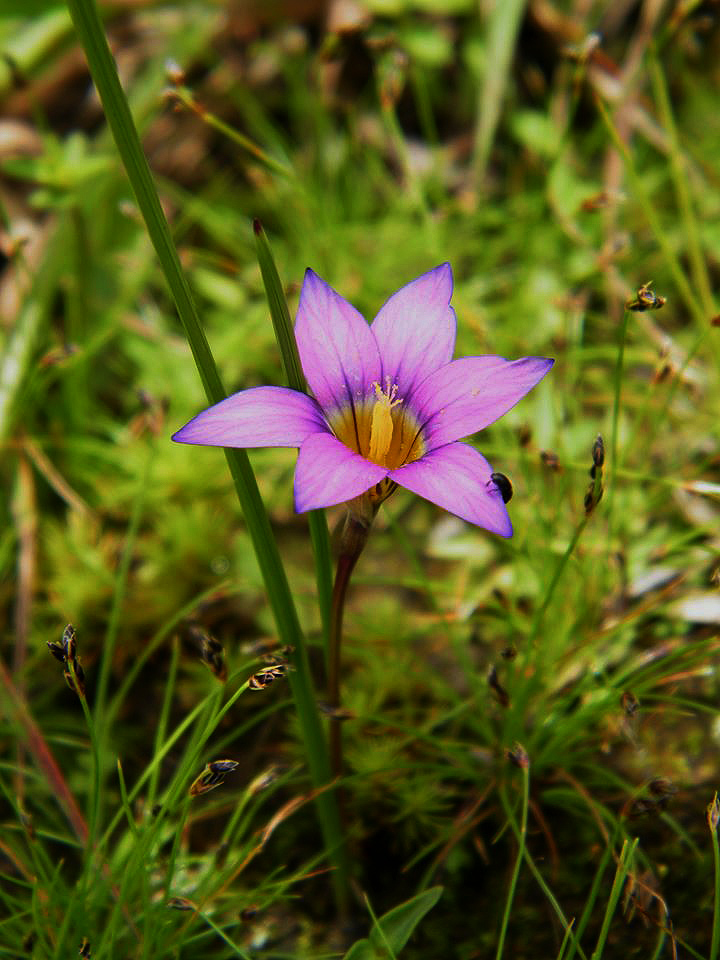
<point x="380" y="428"/>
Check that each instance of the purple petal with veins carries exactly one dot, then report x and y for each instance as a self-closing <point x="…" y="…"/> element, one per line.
<point x="338" y="352"/>
<point x="258" y="417"/>
<point x="327" y="473"/>
<point x="457" y="478"/>
<point x="415" y="329"/>
<point x="468" y="394"/>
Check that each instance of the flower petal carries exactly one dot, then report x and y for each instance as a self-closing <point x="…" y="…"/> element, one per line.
<point x="328" y="472"/>
<point x="457" y="478"/>
<point x="259" y="417"/>
<point x="415" y="329"/>
<point x="338" y="352"/>
<point x="466" y="395"/>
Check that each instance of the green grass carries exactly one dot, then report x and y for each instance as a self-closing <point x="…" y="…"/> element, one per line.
<point x="370" y="156"/>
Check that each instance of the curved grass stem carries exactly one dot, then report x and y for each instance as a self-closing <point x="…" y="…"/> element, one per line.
<point x="518" y="861"/>
<point x="352" y="541"/>
<point x="92" y="37"/>
<point x="623" y="868"/>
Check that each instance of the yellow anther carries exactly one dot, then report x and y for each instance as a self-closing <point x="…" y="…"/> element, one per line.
<point x="381" y="428"/>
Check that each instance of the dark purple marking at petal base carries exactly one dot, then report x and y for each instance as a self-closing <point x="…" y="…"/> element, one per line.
<point x="328" y="472"/>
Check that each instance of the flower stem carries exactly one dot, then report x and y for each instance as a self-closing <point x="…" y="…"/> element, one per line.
<point x="353" y="538"/>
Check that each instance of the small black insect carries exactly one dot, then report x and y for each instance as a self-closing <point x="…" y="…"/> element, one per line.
<point x="503" y="484"/>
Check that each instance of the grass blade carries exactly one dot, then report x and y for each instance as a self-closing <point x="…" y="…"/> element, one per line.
<point x="623" y="868"/>
<point x="102" y="67"/>
<point x="503" y="26"/>
<point x="285" y="336"/>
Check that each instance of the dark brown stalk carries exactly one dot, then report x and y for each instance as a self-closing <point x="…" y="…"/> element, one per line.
<point x="352" y="540"/>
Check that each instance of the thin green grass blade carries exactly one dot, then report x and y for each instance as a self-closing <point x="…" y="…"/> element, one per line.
<point x="503" y="25"/>
<point x="115" y="618"/>
<point x="617" y="404"/>
<point x="184" y="95"/>
<point x="592" y="897"/>
<point x="623" y="868"/>
<point x="285" y="336"/>
<point x="678" y="171"/>
<point x="688" y="294"/>
<point x="125" y="801"/>
<point x="162" y="724"/>
<point x="565" y="942"/>
<point x="552" y="899"/>
<point x="18" y="349"/>
<point x="33" y="44"/>
<point x="279" y="313"/>
<point x="518" y="860"/>
<point x="713" y="817"/>
<point x="102" y="67"/>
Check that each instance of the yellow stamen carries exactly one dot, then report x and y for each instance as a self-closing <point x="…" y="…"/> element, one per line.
<point x="381" y="428"/>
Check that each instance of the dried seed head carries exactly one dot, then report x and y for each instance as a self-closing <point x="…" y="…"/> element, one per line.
<point x="57" y="650"/>
<point x="263" y="678"/>
<point x="281" y="655"/>
<point x="630" y="703"/>
<point x="174" y="72"/>
<point x="212" y="653"/>
<point x="662" y="788"/>
<point x="713" y="814"/>
<point x="27" y="821"/>
<point x="645" y="299"/>
<point x="223" y="766"/>
<point x="525" y="436"/>
<point x="84" y="950"/>
<point x="663" y="372"/>
<point x="75" y="677"/>
<point x="212" y="776"/>
<point x="580" y="52"/>
<point x="337" y="713"/>
<point x="518" y="756"/>
<point x="594" y="493"/>
<point x="593" y="496"/>
<point x="68" y="642"/>
<point x="264" y="779"/>
<point x="501" y="694"/>
<point x="180" y="903"/>
<point x="550" y="460"/>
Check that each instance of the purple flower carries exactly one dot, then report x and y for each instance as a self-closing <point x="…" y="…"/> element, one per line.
<point x="390" y="404"/>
